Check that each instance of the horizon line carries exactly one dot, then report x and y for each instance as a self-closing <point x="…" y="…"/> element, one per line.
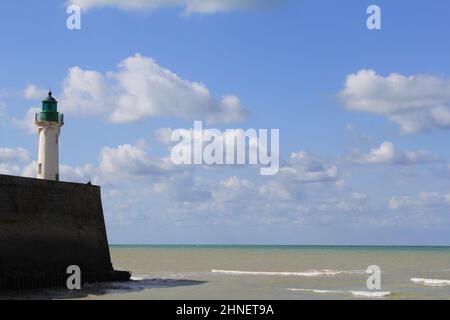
<point x="288" y="245"/>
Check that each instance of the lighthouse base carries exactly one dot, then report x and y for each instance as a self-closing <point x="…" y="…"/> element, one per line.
<point x="47" y="226"/>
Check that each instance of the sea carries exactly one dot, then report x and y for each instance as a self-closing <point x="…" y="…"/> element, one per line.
<point x="271" y="273"/>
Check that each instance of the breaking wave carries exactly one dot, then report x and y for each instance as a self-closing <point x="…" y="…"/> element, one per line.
<point x="431" y="282"/>
<point x="371" y="294"/>
<point x="140" y="278"/>
<point x="309" y="273"/>
<point x="316" y="290"/>
<point x="366" y="294"/>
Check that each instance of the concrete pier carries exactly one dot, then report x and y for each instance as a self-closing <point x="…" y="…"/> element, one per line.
<point x="46" y="226"/>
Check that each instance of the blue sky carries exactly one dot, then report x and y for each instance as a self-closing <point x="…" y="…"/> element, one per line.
<point x="366" y="113"/>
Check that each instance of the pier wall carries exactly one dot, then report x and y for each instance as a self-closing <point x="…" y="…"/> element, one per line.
<point x="45" y="226"/>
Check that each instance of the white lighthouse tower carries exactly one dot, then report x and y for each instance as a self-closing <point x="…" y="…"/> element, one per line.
<point x="49" y="123"/>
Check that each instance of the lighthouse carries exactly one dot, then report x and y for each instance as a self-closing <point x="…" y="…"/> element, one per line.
<point x="49" y="122"/>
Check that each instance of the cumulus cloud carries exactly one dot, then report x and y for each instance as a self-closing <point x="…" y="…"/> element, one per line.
<point x="273" y="200"/>
<point x="304" y="168"/>
<point x="141" y="89"/>
<point x="358" y="196"/>
<point x="189" y="6"/>
<point x="222" y="147"/>
<point x="132" y="161"/>
<point x="17" y="162"/>
<point x="423" y="200"/>
<point x="14" y="155"/>
<point x="10" y="169"/>
<point x="33" y="92"/>
<point x="416" y="103"/>
<point x="387" y="154"/>
<point x="235" y="190"/>
<point x="12" y="160"/>
<point x="416" y="157"/>
<point x="182" y="187"/>
<point x="80" y="174"/>
<point x="305" y="193"/>
<point x="29" y="170"/>
<point x="384" y="154"/>
<point x="85" y="92"/>
<point x="2" y="111"/>
<point x="27" y="122"/>
<point x="276" y="190"/>
<point x="164" y="135"/>
<point x="127" y="162"/>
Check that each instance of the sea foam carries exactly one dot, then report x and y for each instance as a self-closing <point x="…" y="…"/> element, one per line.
<point x="139" y="278"/>
<point x="431" y="282"/>
<point x="309" y="273"/>
<point x="366" y="294"/>
<point x="371" y="294"/>
<point x="316" y="290"/>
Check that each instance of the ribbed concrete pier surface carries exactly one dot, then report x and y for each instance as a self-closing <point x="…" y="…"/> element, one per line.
<point x="46" y="226"/>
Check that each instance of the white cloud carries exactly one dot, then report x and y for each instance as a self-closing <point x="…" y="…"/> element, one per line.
<point x="33" y="92"/>
<point x="14" y="155"/>
<point x="80" y="174"/>
<point x="141" y="90"/>
<point x="386" y="153"/>
<point x="415" y="103"/>
<point x="424" y="200"/>
<point x="9" y="169"/>
<point x="225" y="138"/>
<point x="305" y="169"/>
<point x="190" y="6"/>
<point x="273" y="200"/>
<point x="416" y="157"/>
<point x="234" y="189"/>
<point x="29" y="170"/>
<point x="127" y="161"/>
<point x="2" y="111"/>
<point x="276" y="190"/>
<point x="164" y="135"/>
<point x="182" y="187"/>
<point x="12" y="160"/>
<point x="357" y="196"/>
<point x="27" y="123"/>
<point x="84" y="92"/>
<point x="216" y="147"/>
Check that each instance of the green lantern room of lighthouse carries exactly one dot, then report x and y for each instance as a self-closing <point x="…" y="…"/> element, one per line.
<point x="49" y="111"/>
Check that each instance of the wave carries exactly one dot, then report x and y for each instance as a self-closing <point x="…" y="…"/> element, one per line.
<point x="140" y="278"/>
<point x="366" y="294"/>
<point x="316" y="290"/>
<point x="431" y="282"/>
<point x="309" y="273"/>
<point x="371" y="294"/>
